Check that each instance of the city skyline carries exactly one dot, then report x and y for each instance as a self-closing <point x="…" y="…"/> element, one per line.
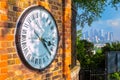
<point x="98" y="36"/>
<point x="110" y="22"/>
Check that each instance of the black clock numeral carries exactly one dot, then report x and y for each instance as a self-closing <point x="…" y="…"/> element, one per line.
<point x="40" y="61"/>
<point x="33" y="17"/>
<point x="25" y="51"/>
<point x="52" y="27"/>
<point x="40" y="14"/>
<point x="32" y="59"/>
<point x="44" y="60"/>
<point x="26" y="25"/>
<point x="29" y="56"/>
<point x="47" y="57"/>
<point x="50" y="23"/>
<point x="24" y="45"/>
<point x="36" y="15"/>
<point x="29" y="20"/>
<point x="51" y="48"/>
<point x="47" y="19"/>
<point x="23" y="39"/>
<point x="36" y="61"/>
<point x="24" y="31"/>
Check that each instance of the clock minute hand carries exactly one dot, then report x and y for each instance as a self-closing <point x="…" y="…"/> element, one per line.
<point x="36" y="34"/>
<point x="42" y="40"/>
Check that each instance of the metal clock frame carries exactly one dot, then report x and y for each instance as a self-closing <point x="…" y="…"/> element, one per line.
<point x="18" y="31"/>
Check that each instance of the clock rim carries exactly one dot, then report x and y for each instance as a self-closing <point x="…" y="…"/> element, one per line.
<point x="18" y="31"/>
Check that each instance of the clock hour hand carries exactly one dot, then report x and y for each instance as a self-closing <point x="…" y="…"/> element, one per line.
<point x="48" y="42"/>
<point x="42" y="40"/>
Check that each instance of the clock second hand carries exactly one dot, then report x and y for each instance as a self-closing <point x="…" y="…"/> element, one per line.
<point x="43" y="42"/>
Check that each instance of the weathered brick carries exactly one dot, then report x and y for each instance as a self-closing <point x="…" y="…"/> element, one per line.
<point x="11" y="62"/>
<point x="17" y="9"/>
<point x="13" y="2"/>
<point x="11" y="50"/>
<point x="3" y="4"/>
<point x="10" y="56"/>
<point x="3" y="17"/>
<point x="17" y="61"/>
<point x="56" y="77"/>
<point x="3" y="76"/>
<point x="6" y="44"/>
<point x="15" y="56"/>
<point x="3" y="64"/>
<point x="4" y="70"/>
<point x="7" y="38"/>
<point x="16" y="70"/>
<point x="3" y="51"/>
<point x="4" y="57"/>
<point x="3" y="24"/>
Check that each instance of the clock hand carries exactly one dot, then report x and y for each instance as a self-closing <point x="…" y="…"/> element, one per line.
<point x="38" y="25"/>
<point x="45" y="45"/>
<point x="43" y="42"/>
<point x="48" y="42"/>
<point x="37" y="35"/>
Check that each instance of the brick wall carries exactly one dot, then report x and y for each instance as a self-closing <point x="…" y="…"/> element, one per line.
<point x="11" y="68"/>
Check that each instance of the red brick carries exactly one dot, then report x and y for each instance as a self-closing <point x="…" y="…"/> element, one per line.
<point x="4" y="70"/>
<point x="3" y="4"/>
<point x="3" y="64"/>
<point x="3" y="17"/>
<point x="4" y="57"/>
<point x="3" y="76"/>
<point x="7" y="38"/>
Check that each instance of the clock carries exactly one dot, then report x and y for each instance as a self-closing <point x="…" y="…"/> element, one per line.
<point x="36" y="37"/>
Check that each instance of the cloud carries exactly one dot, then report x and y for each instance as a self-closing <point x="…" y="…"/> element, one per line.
<point x="113" y="22"/>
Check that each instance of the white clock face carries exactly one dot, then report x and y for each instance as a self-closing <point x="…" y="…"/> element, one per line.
<point x="38" y="37"/>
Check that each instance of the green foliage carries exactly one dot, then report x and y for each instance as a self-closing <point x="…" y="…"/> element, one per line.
<point x="91" y="10"/>
<point x="86" y="57"/>
<point x="114" y="76"/>
<point x="114" y="46"/>
<point x="85" y="54"/>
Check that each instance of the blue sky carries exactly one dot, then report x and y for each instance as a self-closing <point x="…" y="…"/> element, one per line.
<point x="110" y="21"/>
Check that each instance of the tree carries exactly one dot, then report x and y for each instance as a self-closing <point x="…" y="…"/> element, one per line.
<point x="91" y="10"/>
<point x="84" y="53"/>
<point x="114" y="46"/>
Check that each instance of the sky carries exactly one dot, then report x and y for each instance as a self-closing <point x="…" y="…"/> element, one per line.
<point x="110" y="22"/>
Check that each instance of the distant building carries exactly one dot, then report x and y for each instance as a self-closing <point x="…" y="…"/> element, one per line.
<point x="98" y="36"/>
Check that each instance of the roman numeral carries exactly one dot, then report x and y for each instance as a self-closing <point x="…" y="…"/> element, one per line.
<point x="47" y="19"/>
<point x="26" y="25"/>
<point x="47" y="57"/>
<point x="32" y="59"/>
<point x="44" y="60"/>
<point x="37" y="15"/>
<point x="25" y="51"/>
<point x="36" y="61"/>
<point x="40" y="61"/>
<point x="23" y="39"/>
<point x="52" y="27"/>
<point x="49" y="23"/>
<point x="28" y="56"/>
<point x="24" y="45"/>
<point x="51" y="48"/>
<point x="24" y="31"/>
<point x="29" y="20"/>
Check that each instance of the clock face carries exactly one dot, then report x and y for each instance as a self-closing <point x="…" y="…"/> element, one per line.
<point x="36" y="37"/>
